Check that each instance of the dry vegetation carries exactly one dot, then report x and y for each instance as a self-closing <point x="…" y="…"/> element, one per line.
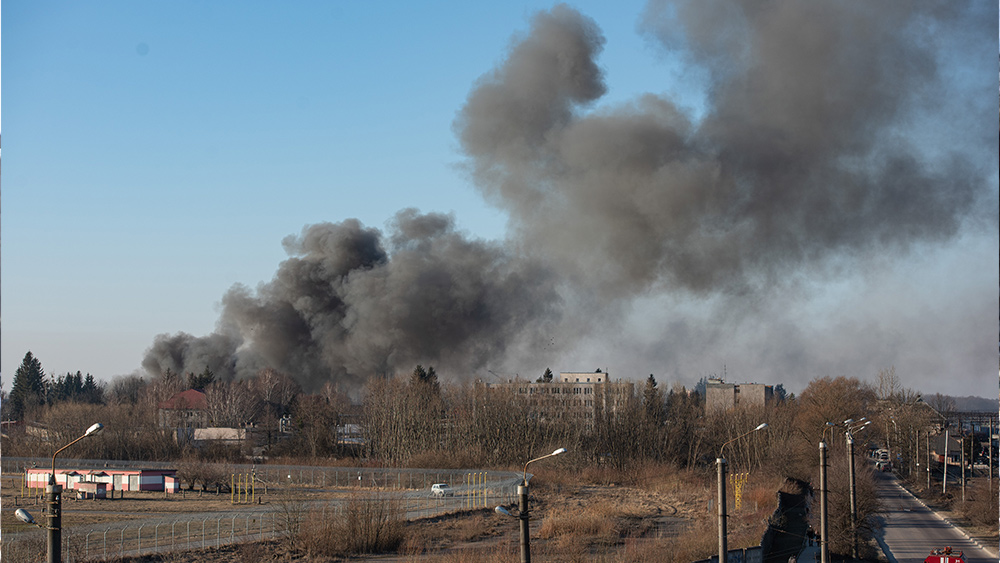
<point x="977" y="515"/>
<point x="595" y="515"/>
<point x="635" y="483"/>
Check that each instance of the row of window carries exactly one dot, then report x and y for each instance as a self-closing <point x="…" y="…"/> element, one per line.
<point x="566" y="403"/>
<point x="555" y="390"/>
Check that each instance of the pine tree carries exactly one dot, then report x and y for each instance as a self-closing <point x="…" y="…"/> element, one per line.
<point x="28" y="391"/>
<point x="546" y="377"/>
<point x="92" y="392"/>
<point x="202" y="380"/>
<point x="653" y="401"/>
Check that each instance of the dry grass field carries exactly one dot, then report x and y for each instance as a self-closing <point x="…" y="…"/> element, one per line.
<point x="653" y="514"/>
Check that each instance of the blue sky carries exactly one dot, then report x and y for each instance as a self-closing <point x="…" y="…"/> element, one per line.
<point x="158" y="153"/>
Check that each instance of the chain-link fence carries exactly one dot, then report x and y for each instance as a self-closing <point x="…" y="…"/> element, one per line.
<point x="409" y="489"/>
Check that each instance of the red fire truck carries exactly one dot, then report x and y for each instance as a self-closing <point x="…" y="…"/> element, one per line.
<point x="945" y="555"/>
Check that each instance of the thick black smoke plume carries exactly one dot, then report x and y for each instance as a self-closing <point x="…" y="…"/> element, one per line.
<point x="800" y="163"/>
<point x="351" y="303"/>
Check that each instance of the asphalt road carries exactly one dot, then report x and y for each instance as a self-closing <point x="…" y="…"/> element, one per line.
<point x="912" y="530"/>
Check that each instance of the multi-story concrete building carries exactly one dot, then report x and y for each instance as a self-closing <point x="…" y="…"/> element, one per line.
<point x="575" y="396"/>
<point x="720" y="395"/>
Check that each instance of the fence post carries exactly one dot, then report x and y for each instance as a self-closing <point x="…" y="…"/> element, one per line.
<point x="121" y="547"/>
<point x="139" y="538"/>
<point x="232" y="529"/>
<point x="106" y="542"/>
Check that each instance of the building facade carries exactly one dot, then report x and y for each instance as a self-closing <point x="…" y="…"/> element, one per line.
<point x="575" y="397"/>
<point x="720" y="395"/>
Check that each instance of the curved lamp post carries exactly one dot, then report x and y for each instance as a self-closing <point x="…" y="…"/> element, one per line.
<point x="721" y="466"/>
<point x="53" y="498"/>
<point x="851" y="430"/>
<point x="523" y="509"/>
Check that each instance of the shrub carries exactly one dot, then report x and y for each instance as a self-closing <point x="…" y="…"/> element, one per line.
<point x="368" y="524"/>
<point x="980" y="506"/>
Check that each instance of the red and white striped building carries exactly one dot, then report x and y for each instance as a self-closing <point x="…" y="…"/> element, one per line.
<point x="115" y="479"/>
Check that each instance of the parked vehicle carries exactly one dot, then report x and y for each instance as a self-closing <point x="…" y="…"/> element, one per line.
<point x="442" y="490"/>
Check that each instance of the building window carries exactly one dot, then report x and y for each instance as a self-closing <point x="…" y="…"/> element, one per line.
<point x="588" y="391"/>
<point x="576" y="390"/>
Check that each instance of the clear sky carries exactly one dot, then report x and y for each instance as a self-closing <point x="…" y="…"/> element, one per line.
<point x="159" y="152"/>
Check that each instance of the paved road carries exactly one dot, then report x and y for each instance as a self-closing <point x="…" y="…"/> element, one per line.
<point x="912" y="530"/>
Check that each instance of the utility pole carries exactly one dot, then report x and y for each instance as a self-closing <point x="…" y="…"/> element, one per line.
<point x="928" y="438"/>
<point x="721" y="479"/>
<point x="989" y="459"/>
<point x="944" y="479"/>
<point x="854" y="498"/>
<point x="523" y="515"/>
<point x="962" y="447"/>
<point x="823" y="530"/>
<point x="54" y="534"/>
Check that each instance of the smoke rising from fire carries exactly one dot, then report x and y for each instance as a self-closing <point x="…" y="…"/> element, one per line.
<point x="351" y="302"/>
<point x="798" y="165"/>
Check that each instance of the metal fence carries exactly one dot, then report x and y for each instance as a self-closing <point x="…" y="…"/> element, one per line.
<point x="279" y="475"/>
<point x="163" y="535"/>
<point x="409" y="489"/>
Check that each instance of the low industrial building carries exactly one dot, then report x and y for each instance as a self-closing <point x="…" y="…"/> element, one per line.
<point x="162" y="480"/>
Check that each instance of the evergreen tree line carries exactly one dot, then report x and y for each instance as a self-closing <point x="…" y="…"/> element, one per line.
<point x="32" y="389"/>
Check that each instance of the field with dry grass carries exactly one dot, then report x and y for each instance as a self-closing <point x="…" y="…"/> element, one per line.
<point x="649" y="513"/>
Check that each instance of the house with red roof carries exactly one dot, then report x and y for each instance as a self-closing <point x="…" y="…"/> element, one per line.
<point x="186" y="410"/>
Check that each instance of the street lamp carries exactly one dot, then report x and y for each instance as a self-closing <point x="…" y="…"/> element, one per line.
<point x="824" y="538"/>
<point x="850" y="468"/>
<point x="53" y="499"/>
<point x="720" y="463"/>
<point x="522" y="505"/>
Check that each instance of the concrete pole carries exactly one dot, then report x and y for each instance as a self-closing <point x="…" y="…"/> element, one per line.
<point x="944" y="480"/>
<point x="928" y="438"/>
<point x="854" y="498"/>
<point x="723" y="545"/>
<point x="989" y="460"/>
<point x="53" y="500"/>
<point x="823" y="532"/>
<point x="522" y="505"/>
<point x="962" y="446"/>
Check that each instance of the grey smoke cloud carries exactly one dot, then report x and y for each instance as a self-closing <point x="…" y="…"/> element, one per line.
<point x="800" y="166"/>
<point x="351" y="302"/>
<point x="798" y="160"/>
